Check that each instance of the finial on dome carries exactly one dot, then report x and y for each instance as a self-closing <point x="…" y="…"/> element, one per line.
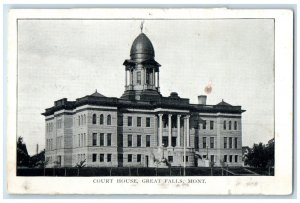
<point x="141" y="26"/>
<point x="96" y="90"/>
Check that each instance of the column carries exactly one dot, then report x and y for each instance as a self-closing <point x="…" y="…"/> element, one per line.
<point x="160" y="130"/>
<point x="125" y="78"/>
<point x="178" y="130"/>
<point x="170" y="129"/>
<point x="153" y="78"/>
<point x="130" y="78"/>
<point x="188" y="130"/>
<point x="142" y="77"/>
<point x="145" y="76"/>
<point x="158" y="81"/>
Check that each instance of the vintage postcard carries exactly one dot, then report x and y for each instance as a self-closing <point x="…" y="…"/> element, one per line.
<point x="150" y="101"/>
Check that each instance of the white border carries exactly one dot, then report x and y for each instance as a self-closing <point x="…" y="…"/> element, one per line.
<point x="280" y="184"/>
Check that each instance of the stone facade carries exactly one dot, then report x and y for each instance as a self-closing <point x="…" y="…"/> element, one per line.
<point x="142" y="128"/>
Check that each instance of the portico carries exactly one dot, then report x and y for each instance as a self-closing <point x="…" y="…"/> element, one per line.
<point x="173" y="127"/>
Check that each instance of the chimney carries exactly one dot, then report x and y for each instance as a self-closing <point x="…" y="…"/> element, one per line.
<point x="202" y="99"/>
<point x="37" y="148"/>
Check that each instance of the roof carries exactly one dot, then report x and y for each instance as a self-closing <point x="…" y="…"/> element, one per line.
<point x="142" y="48"/>
<point x="222" y="103"/>
<point x="97" y="94"/>
<point x="173" y="101"/>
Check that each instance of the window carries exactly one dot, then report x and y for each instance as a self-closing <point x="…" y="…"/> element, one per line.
<point x="165" y="141"/>
<point x="101" y="139"/>
<point x="204" y="125"/>
<point x="173" y="141"/>
<point x="84" y="140"/>
<point x="170" y="159"/>
<point x="129" y="141"/>
<point x="101" y="157"/>
<point x="120" y="158"/>
<point x="186" y="158"/>
<point x="235" y="142"/>
<point x="139" y="122"/>
<point x="138" y="140"/>
<point x="230" y="143"/>
<point x="230" y="158"/>
<point x="204" y="142"/>
<point x="129" y="157"/>
<point x="225" y="158"/>
<point x="58" y="160"/>
<point x="212" y="158"/>
<point x="94" y="139"/>
<point x="197" y="143"/>
<point x="120" y="140"/>
<point x="138" y="158"/>
<point x="148" y="122"/>
<point x="212" y="140"/>
<point x="101" y="119"/>
<point x="108" y="157"/>
<point x="94" y="157"/>
<point x="108" y="139"/>
<point x="211" y="125"/>
<point x="235" y="125"/>
<point x="147" y="140"/>
<point x="78" y="120"/>
<point x="94" y="119"/>
<point x="58" y="123"/>
<point x="138" y="78"/>
<point x="236" y="158"/>
<point x="225" y="142"/>
<point x="78" y="140"/>
<point x="165" y="122"/>
<point x="229" y="127"/>
<point x="84" y="119"/>
<point x="224" y="125"/>
<point x="109" y="120"/>
<point x="129" y="121"/>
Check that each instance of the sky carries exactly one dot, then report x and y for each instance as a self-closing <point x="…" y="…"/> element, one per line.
<point x="72" y="58"/>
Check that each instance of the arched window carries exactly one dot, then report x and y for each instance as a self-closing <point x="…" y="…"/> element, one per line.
<point x="101" y="119"/>
<point x="224" y="125"/>
<point x="229" y="125"/>
<point x="94" y="119"/>
<point x="84" y="119"/>
<point x="78" y="120"/>
<point x="235" y="125"/>
<point x="81" y="120"/>
<point x="109" y="120"/>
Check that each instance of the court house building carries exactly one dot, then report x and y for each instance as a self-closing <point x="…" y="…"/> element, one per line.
<point x="142" y="128"/>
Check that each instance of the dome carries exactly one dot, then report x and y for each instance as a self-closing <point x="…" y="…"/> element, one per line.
<point x="142" y="48"/>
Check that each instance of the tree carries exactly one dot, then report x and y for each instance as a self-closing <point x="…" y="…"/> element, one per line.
<point x="80" y="165"/>
<point x="261" y="156"/>
<point x="38" y="160"/>
<point x="22" y="154"/>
